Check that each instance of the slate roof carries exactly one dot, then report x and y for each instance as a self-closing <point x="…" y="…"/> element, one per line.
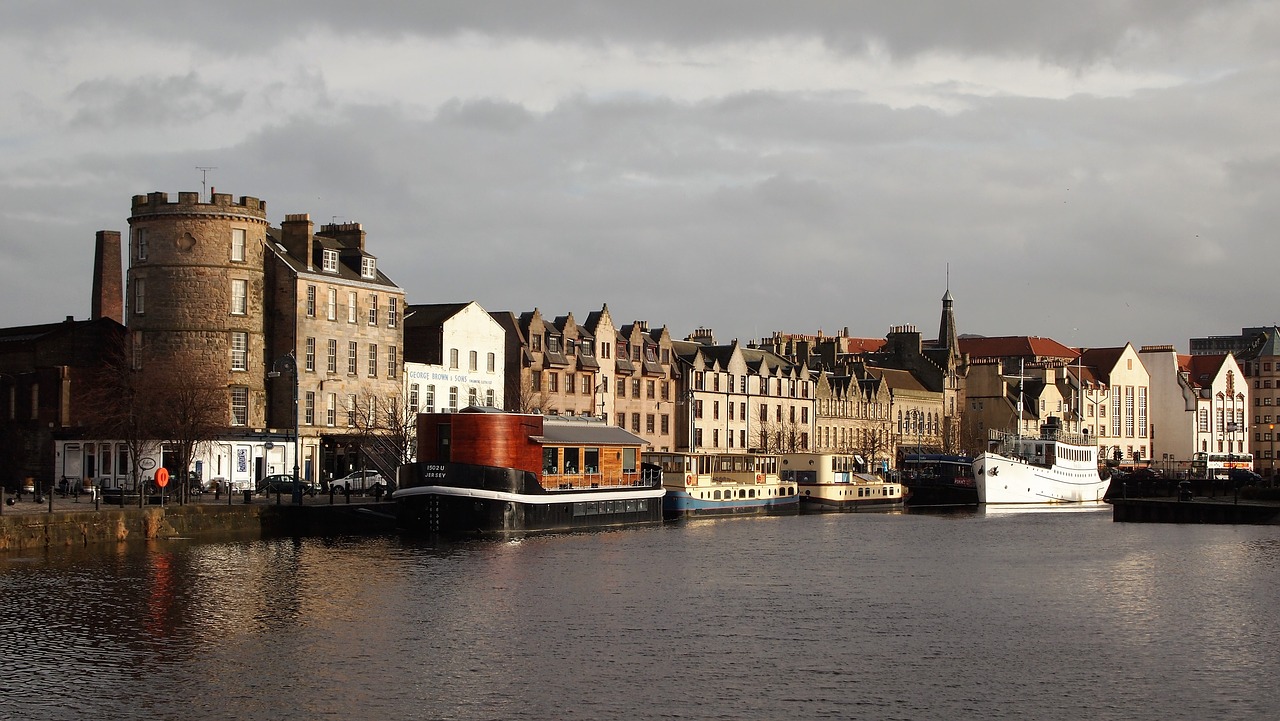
<point x="1015" y="346"/>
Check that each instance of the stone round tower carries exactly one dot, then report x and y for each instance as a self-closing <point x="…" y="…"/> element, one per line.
<point x="195" y="293"/>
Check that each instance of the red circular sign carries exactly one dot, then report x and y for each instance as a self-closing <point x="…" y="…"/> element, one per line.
<point x="162" y="477"/>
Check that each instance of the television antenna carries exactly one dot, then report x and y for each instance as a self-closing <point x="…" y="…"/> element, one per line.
<point x="204" y="178"/>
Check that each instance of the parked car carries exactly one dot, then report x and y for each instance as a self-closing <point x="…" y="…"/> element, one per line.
<point x="361" y="481"/>
<point x="282" y="483"/>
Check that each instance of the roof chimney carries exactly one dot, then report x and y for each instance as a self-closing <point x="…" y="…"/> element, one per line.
<point x="108" y="282"/>
<point x="296" y="237"/>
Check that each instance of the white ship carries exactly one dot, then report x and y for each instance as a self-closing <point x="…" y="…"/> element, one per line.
<point x="1056" y="467"/>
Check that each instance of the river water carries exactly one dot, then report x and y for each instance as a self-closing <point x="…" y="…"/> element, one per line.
<point x="963" y="615"/>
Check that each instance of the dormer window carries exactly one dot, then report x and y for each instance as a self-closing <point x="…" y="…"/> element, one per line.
<point x="587" y="347"/>
<point x="368" y="268"/>
<point x="329" y="261"/>
<point x="553" y="344"/>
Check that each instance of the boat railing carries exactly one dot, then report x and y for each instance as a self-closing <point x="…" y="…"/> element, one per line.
<point x="1005" y="438"/>
<point x="579" y="481"/>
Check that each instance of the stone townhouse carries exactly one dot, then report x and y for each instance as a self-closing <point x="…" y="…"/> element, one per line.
<point x="645" y="391"/>
<point x="737" y="398"/>
<point x="852" y="416"/>
<point x="552" y="366"/>
<point x="1257" y="350"/>
<point x="339" y="318"/>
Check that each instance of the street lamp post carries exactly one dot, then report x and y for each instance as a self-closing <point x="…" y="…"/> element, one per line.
<point x="290" y="365"/>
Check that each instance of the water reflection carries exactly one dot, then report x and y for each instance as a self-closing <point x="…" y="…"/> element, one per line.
<point x="953" y="615"/>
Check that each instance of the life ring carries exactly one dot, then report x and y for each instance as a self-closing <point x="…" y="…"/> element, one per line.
<point x="759" y="478"/>
<point x="688" y="479"/>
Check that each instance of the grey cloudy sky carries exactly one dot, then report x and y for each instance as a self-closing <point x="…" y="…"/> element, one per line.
<point x="1097" y="172"/>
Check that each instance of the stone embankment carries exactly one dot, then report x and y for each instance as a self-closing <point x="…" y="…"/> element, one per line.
<point x="81" y="522"/>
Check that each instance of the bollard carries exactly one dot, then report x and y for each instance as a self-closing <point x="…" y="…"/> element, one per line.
<point x="248" y="496"/>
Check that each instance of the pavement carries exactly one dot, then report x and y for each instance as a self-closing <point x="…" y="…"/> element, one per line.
<point x="26" y="504"/>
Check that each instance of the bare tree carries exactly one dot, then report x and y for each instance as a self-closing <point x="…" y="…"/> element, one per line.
<point x="528" y="400"/>
<point x="121" y="404"/>
<point x="191" y="413"/>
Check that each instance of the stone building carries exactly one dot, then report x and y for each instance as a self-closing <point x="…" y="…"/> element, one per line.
<point x="645" y="391"/>
<point x="455" y="356"/>
<point x="335" y="316"/>
<point x="1190" y="398"/>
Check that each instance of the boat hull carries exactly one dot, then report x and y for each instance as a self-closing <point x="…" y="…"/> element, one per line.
<point x="850" y="497"/>
<point x="1000" y="479"/>
<point x="449" y="510"/>
<point x="679" y="504"/>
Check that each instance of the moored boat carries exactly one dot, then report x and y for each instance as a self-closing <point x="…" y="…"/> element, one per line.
<point x="722" y="484"/>
<point x="486" y="471"/>
<point x="830" y="482"/>
<point x="939" y="479"/>
<point x="1055" y="467"/>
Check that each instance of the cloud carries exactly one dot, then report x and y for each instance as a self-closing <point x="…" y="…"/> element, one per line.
<point x="150" y="101"/>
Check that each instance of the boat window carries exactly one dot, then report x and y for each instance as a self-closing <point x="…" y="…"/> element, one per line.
<point x="571" y="460"/>
<point x="549" y="461"/>
<point x="591" y="460"/>
<point x="717" y="495"/>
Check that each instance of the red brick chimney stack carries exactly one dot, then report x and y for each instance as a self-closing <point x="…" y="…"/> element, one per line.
<point x="108" y="283"/>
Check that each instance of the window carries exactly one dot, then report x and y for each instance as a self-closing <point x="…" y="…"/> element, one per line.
<point x="666" y="424"/>
<point x="453" y="357"/>
<point x="239" y="406"/>
<point x="488" y="398"/>
<point x="239" y="351"/>
<point x="635" y="387"/>
<point x="351" y="307"/>
<point x="473" y="360"/>
<point x="535" y="380"/>
<point x="140" y="243"/>
<point x="648" y="424"/>
<point x="310" y="408"/>
<point x="635" y="422"/>
<point x="329" y="261"/>
<point x="353" y="350"/>
<point x="392" y="361"/>
<point x="310" y="355"/>
<point x="368" y="268"/>
<point x="373" y="360"/>
<point x="536" y="343"/>
<point x="331" y="310"/>
<point x="429" y="402"/>
<point x="491" y="362"/>
<point x="650" y="389"/>
<point x="239" y="297"/>
<point x="697" y="409"/>
<point x="393" y="311"/>
<point x="311" y="301"/>
<point x="622" y="387"/>
<point x="666" y="390"/>
<point x="332" y="365"/>
<point x="553" y="383"/>
<point x="237" y="244"/>
<point x="413" y="397"/>
<point x="351" y="410"/>
<point x="453" y="399"/>
<point x="473" y="397"/>
<point x="373" y="309"/>
<point x="139" y="296"/>
<point x="331" y="412"/>
<point x="622" y="420"/>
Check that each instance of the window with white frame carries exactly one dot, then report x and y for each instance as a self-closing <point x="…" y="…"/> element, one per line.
<point x="332" y="304"/>
<point x="239" y="406"/>
<point x="352" y="311"/>
<point x="310" y="356"/>
<point x="488" y="398"/>
<point x="353" y="353"/>
<point x="373" y="360"/>
<point x="373" y="309"/>
<point x="310" y="408"/>
<point x="332" y="356"/>
<point x="351" y="410"/>
<point x="429" y="400"/>
<point x="239" y="351"/>
<point x="331" y="412"/>
<point x="491" y="362"/>
<point x="453" y="399"/>
<point x="140" y="243"/>
<point x="237" y="244"/>
<point x="368" y="268"/>
<point x="329" y="261"/>
<point x="413" y="397"/>
<point x="473" y="397"/>
<point x="239" y="296"/>
<point x="311" y="301"/>
<point x="393" y="311"/>
<point x="139" y="296"/>
<point x="393" y="364"/>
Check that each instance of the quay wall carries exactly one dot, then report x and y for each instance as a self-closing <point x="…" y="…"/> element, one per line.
<point x="111" y="525"/>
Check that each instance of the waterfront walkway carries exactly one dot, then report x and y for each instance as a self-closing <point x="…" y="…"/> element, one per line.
<point x="26" y="504"/>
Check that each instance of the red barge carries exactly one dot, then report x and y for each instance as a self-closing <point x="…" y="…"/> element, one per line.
<point x="484" y="471"/>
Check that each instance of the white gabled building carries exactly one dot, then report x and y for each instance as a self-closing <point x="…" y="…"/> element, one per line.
<point x="455" y="356"/>
<point x="1199" y="404"/>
